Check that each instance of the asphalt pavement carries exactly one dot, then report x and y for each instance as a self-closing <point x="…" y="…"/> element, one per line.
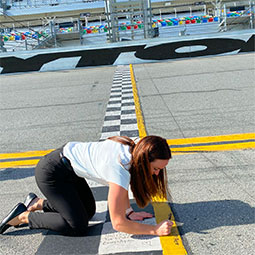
<point x="213" y="191"/>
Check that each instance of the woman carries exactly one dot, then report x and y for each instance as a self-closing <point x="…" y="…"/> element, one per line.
<point x="117" y="162"/>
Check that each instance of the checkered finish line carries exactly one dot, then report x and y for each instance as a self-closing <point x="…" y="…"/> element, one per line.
<point x="120" y="117"/>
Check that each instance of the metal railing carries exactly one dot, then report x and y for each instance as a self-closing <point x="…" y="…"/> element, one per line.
<point x="14" y="40"/>
<point x="246" y="17"/>
<point x="55" y="34"/>
<point x="41" y="3"/>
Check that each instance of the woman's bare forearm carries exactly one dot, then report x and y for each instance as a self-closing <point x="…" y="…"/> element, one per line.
<point x="118" y="202"/>
<point x="135" y="228"/>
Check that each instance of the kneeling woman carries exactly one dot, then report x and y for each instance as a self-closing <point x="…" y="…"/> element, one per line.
<point x="117" y="162"/>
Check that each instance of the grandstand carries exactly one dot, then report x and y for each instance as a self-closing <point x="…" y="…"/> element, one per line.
<point x="34" y="24"/>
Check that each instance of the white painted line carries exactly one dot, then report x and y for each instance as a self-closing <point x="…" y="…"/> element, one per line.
<point x="111" y="123"/>
<point x="109" y="134"/>
<point x="127" y="100"/>
<point x="129" y="107"/>
<point x="61" y="64"/>
<point x="128" y="116"/>
<point x="113" y="113"/>
<point x="116" y="242"/>
<point x="116" y="94"/>
<point x="128" y="127"/>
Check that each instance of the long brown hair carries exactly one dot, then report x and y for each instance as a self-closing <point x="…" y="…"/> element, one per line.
<point x="143" y="184"/>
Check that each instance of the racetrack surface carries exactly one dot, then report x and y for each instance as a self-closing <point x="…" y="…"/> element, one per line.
<point x="203" y="106"/>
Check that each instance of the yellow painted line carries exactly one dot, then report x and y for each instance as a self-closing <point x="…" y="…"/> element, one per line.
<point x="19" y="163"/>
<point x="172" y="244"/>
<point x="139" y="115"/>
<point x="210" y="139"/>
<point x="213" y="143"/>
<point x="23" y="158"/>
<point x="225" y="147"/>
<point x="27" y="154"/>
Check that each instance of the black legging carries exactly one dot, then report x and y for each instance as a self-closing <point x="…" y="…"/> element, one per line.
<point x="69" y="203"/>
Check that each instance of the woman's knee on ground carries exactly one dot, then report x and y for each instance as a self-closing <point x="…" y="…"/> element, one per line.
<point x="77" y="230"/>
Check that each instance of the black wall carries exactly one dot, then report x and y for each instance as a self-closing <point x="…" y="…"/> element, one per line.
<point x="107" y="56"/>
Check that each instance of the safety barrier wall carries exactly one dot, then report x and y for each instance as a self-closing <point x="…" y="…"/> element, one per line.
<point x="128" y="52"/>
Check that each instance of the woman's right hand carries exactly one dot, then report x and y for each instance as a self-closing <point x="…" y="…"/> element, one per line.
<point x="164" y="228"/>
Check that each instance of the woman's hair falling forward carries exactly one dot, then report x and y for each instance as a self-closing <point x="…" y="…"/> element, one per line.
<point x="143" y="184"/>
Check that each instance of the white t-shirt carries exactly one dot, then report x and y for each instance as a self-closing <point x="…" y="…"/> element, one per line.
<point x="103" y="162"/>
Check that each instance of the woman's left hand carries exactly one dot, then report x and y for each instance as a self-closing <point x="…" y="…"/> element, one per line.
<point x="140" y="215"/>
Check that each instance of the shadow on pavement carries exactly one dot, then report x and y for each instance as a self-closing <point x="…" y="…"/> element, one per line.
<point x="202" y="216"/>
<point x="196" y="217"/>
<point x="16" y="173"/>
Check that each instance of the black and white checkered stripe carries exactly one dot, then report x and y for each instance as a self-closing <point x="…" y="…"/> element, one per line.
<point x="120" y="117"/>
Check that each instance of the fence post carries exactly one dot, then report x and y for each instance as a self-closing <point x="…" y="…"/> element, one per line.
<point x="53" y="32"/>
<point x="80" y="31"/>
<point x="252" y="14"/>
<point x="2" y="48"/>
<point x="26" y="44"/>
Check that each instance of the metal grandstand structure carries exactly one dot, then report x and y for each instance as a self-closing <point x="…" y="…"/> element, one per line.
<point x="132" y="10"/>
<point x="117" y="12"/>
<point x="7" y="4"/>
